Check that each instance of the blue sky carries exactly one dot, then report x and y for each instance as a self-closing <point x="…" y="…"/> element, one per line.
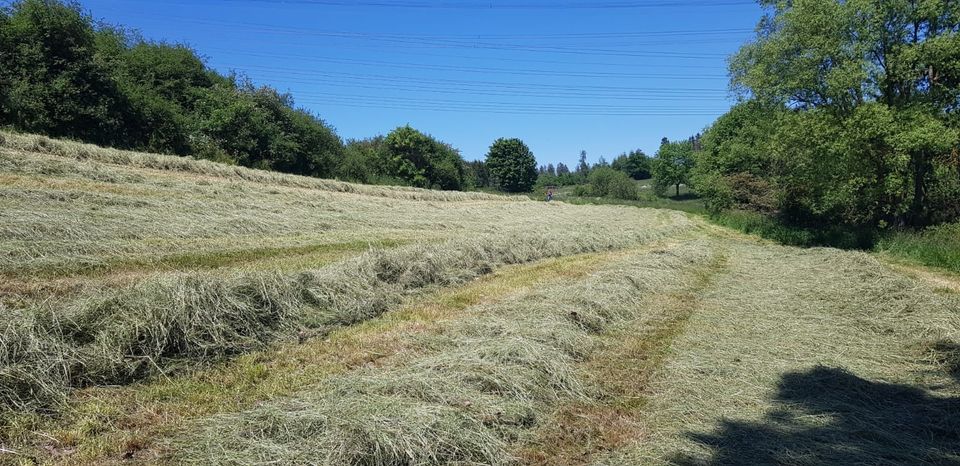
<point x="564" y="76"/>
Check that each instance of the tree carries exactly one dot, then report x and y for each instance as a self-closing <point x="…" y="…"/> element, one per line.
<point x="635" y="164"/>
<point x="888" y="69"/>
<point x="736" y="166"/>
<point x="53" y="83"/>
<point x="562" y="169"/>
<point x="424" y="161"/>
<point x="477" y="174"/>
<point x="64" y="75"/>
<point x="364" y="160"/>
<point x="512" y="164"/>
<point x="551" y="170"/>
<point x="672" y="165"/>
<point x="583" y="168"/>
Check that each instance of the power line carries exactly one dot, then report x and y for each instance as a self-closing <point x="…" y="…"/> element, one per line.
<point x="439" y="42"/>
<point x="494" y="5"/>
<point x="500" y="93"/>
<point x="345" y="88"/>
<point x="514" y="104"/>
<point x="480" y="83"/>
<point x="468" y="109"/>
<point x="514" y="71"/>
<point x="470" y="36"/>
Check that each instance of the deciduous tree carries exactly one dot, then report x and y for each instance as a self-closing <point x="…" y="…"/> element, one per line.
<point x="512" y="164"/>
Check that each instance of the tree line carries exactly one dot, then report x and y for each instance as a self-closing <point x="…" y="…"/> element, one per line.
<point x="65" y="75"/>
<point x="848" y="116"/>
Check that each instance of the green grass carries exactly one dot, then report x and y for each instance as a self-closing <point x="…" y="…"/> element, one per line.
<point x="935" y="247"/>
<point x="686" y="202"/>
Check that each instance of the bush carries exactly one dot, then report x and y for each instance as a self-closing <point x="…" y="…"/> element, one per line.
<point x="607" y="182"/>
<point x="64" y="75"/>
<point x="599" y="180"/>
<point x="421" y="160"/>
<point x="622" y="187"/>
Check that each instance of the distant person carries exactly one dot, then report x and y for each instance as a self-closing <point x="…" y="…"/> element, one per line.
<point x="549" y="195"/>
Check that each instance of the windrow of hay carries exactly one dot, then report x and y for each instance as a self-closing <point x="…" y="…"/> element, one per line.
<point x="64" y="218"/>
<point x="471" y="390"/>
<point x="117" y="336"/>
<point x="81" y="151"/>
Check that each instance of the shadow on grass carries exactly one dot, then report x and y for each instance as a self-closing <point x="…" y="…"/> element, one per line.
<point x="947" y="353"/>
<point x="830" y="416"/>
<point x="684" y="197"/>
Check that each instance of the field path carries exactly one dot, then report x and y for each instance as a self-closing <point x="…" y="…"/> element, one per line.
<point x="808" y="357"/>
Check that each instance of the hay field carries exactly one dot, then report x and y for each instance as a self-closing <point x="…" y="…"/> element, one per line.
<point x="160" y="310"/>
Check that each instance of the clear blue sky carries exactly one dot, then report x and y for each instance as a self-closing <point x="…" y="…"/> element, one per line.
<point x="601" y="76"/>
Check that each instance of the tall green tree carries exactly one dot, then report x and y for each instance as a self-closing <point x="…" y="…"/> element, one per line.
<point x="736" y="167"/>
<point x="512" y="164"/>
<point x="478" y="174"/>
<point x="63" y="75"/>
<point x="882" y="73"/>
<point x="635" y="164"/>
<point x="583" y="168"/>
<point x="672" y="165"/>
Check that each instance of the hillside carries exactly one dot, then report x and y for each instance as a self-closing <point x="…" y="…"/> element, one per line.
<point x="164" y="310"/>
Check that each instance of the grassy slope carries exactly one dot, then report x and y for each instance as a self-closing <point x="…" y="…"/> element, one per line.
<point x="667" y="341"/>
<point x="79" y="214"/>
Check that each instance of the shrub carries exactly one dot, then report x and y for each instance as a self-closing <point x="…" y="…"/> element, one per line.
<point x="607" y="182"/>
<point x="622" y="187"/>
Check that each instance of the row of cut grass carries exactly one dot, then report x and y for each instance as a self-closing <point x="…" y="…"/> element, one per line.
<point x="465" y="393"/>
<point x="108" y="423"/>
<point x="579" y="431"/>
<point x="131" y="333"/>
<point x="85" y="152"/>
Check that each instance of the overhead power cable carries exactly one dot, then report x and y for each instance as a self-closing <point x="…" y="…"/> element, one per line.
<point x="513" y="71"/>
<point x="515" y="104"/>
<point x="479" y="83"/>
<point x="495" y="5"/>
<point x="651" y="96"/>
<point x="459" y="43"/>
<point x="471" y="109"/>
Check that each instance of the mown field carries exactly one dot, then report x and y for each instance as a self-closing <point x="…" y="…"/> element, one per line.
<point x="160" y="310"/>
